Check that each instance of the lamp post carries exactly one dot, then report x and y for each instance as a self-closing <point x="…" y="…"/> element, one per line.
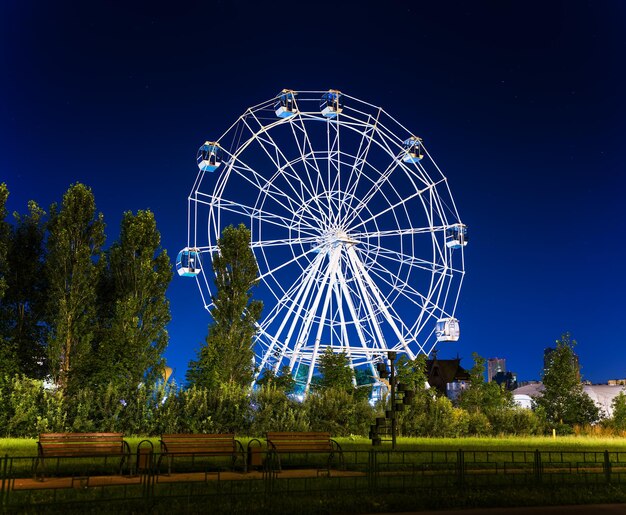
<point x="396" y="390"/>
<point x="392" y="383"/>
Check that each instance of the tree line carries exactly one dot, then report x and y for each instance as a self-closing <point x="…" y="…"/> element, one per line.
<point x="91" y="321"/>
<point x="72" y="312"/>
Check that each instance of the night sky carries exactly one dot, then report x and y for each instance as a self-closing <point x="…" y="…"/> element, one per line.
<point x="522" y="105"/>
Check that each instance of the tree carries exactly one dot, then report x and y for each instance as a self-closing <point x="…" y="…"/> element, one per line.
<point x="4" y="238"/>
<point x="24" y="299"/>
<point x="76" y="235"/>
<point x="134" y="309"/>
<point x="227" y="356"/>
<point x="619" y="411"/>
<point x="283" y="382"/>
<point x="563" y="400"/>
<point x="412" y="373"/>
<point x="335" y="372"/>
<point x="8" y="354"/>
<point x="481" y="396"/>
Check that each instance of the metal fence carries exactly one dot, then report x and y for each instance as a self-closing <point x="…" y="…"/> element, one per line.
<point x="74" y="481"/>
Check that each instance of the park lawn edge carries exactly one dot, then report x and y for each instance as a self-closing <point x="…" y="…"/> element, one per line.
<point x="28" y="446"/>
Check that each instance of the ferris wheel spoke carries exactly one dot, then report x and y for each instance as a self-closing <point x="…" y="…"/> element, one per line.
<point x="311" y="314"/>
<point x="295" y="259"/>
<point x="361" y="236"/>
<point x="377" y="184"/>
<point x="402" y="288"/>
<point x="392" y="207"/>
<point x="363" y="276"/>
<point x="292" y="302"/>
<point x="347" y="295"/>
<point x="307" y="153"/>
<point x="269" y="188"/>
<point x="279" y="156"/>
<point x="332" y="268"/>
<point x="254" y="213"/>
<point x="361" y="156"/>
<point x="403" y="259"/>
<point x="311" y="240"/>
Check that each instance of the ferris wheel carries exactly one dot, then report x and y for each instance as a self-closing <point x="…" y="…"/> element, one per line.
<point x="357" y="237"/>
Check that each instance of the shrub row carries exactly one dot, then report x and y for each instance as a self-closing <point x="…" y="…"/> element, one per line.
<point x="29" y="408"/>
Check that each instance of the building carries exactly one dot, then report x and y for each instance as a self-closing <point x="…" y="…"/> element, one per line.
<point x="447" y="376"/>
<point x="601" y="394"/>
<point x="495" y="365"/>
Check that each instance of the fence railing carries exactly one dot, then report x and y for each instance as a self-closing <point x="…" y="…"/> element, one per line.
<point x="72" y="480"/>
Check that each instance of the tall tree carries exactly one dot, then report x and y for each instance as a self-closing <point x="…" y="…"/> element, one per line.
<point x="563" y="399"/>
<point x="228" y="356"/>
<point x="24" y="299"/>
<point x="8" y="356"/>
<point x="133" y="304"/>
<point x="75" y="239"/>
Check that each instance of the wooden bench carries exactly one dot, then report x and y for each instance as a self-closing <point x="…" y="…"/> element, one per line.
<point x="85" y="445"/>
<point x="193" y="445"/>
<point x="303" y="443"/>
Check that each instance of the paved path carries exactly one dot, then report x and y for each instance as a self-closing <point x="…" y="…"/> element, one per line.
<point x="587" y="509"/>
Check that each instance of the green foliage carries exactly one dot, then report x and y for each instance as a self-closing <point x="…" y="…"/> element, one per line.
<point x="22" y="311"/>
<point x="563" y="400"/>
<point x="225" y="409"/>
<point x="76" y="235"/>
<point x="134" y="310"/>
<point x="283" y="382"/>
<point x="8" y="352"/>
<point x="619" y="412"/>
<point x="227" y="356"/>
<point x="412" y="373"/>
<point x="272" y="410"/>
<point x="338" y="412"/>
<point x="4" y="239"/>
<point x="335" y="372"/>
<point x="482" y="396"/>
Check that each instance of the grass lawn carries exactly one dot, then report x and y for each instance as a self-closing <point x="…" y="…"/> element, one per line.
<point x="28" y="446"/>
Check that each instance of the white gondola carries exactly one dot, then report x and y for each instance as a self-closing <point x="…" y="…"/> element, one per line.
<point x="456" y="236"/>
<point x="285" y="105"/>
<point x="413" y="150"/>
<point x="188" y="262"/>
<point x="332" y="103"/>
<point x="448" y="330"/>
<point x="209" y="156"/>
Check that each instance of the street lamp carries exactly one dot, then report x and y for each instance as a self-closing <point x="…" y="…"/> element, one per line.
<point x="398" y="391"/>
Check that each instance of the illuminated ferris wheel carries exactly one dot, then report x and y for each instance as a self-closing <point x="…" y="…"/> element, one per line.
<point x="356" y="234"/>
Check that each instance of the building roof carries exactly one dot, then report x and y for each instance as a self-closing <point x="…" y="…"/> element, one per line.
<point x="601" y="394"/>
<point x="440" y="372"/>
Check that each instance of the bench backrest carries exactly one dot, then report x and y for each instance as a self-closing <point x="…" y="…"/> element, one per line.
<point x="198" y="443"/>
<point x="300" y="441"/>
<point x="81" y="444"/>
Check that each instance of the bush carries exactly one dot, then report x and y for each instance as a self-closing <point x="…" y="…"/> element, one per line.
<point x="338" y="412"/>
<point x="273" y="410"/>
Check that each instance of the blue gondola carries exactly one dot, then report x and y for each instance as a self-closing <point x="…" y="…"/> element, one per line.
<point x="448" y="330"/>
<point x="209" y="156"/>
<point x="413" y="150"/>
<point x="456" y="236"/>
<point x="332" y="103"/>
<point x="188" y="262"/>
<point x="285" y="105"/>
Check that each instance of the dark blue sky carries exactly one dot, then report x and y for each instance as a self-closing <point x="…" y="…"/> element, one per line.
<point x="521" y="104"/>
